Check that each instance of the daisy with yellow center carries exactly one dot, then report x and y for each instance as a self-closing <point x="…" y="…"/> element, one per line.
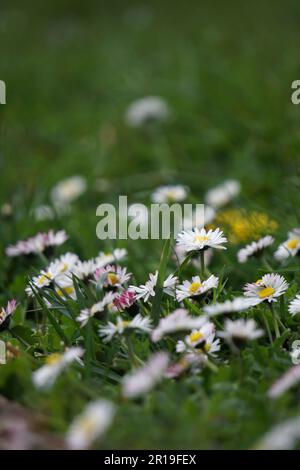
<point x="268" y="288"/>
<point x="196" y="287"/>
<point x="138" y="323"/>
<point x="290" y="247"/>
<point x="200" y="239"/>
<point x="54" y="365"/>
<point x="90" y="425"/>
<point x="202" y="339"/>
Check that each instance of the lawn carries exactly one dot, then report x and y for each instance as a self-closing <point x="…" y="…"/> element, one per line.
<point x="71" y="70"/>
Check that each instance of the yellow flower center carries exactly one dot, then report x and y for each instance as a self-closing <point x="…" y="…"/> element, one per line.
<point x="65" y="290"/>
<point x="43" y="278"/>
<point x="195" y="336"/>
<point x="64" y="267"/>
<point x="292" y="244"/>
<point x="53" y="359"/>
<point x="201" y="238"/>
<point x="113" y="278"/>
<point x="2" y="314"/>
<point x="266" y="292"/>
<point x="194" y="287"/>
<point x="87" y="425"/>
<point x="125" y="323"/>
<point x="207" y="347"/>
<point x="258" y="282"/>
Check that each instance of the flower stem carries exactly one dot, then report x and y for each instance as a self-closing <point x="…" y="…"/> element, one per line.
<point x="132" y="356"/>
<point x="202" y="262"/>
<point x="275" y="322"/>
<point x="268" y="328"/>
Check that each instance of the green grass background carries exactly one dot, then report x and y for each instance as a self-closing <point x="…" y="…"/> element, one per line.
<point x="225" y="68"/>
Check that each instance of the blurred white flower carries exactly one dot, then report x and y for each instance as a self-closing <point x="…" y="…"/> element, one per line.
<point x="288" y="380"/>
<point x="149" y="108"/>
<point x="107" y="258"/>
<point x="37" y="244"/>
<point x="294" y="306"/>
<point x="169" y="194"/>
<point x="268" y="288"/>
<point x="196" y="287"/>
<point x="143" y="380"/>
<point x="55" y="364"/>
<point x="254" y="248"/>
<point x="196" y="240"/>
<point x="223" y="193"/>
<point x="90" y="425"/>
<point x="68" y="190"/>
<point x="240" y="330"/>
<point x="290" y="247"/>
<point x="199" y="218"/>
<point x="238" y="304"/>
<point x="178" y="321"/>
<point x="138" y="323"/>
<point x="283" y="436"/>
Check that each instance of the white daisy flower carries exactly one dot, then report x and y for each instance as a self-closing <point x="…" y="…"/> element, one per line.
<point x="5" y="313"/>
<point x="294" y="306"/>
<point x="223" y="193"/>
<point x="196" y="287"/>
<point x="90" y="425"/>
<point x="99" y="307"/>
<point x="254" y="248"/>
<point x="149" y="108"/>
<point x="147" y="290"/>
<point x="195" y="240"/>
<point x="112" y="275"/>
<point x="85" y="269"/>
<point x="55" y="364"/>
<point x="169" y="194"/>
<point x="290" y="247"/>
<point x="68" y="190"/>
<point x="64" y="287"/>
<point x="179" y="320"/>
<point x="107" y="258"/>
<point x="238" y="304"/>
<point x="240" y="330"/>
<point x="203" y="338"/>
<point x="138" y="323"/>
<point x="268" y="288"/>
<point x="288" y="380"/>
<point x="143" y="380"/>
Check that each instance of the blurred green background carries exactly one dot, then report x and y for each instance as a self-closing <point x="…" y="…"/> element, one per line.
<point x="72" y="68"/>
<point x="225" y="68"/>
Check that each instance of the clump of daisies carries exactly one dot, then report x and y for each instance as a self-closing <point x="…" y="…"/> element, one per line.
<point x="37" y="244"/>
